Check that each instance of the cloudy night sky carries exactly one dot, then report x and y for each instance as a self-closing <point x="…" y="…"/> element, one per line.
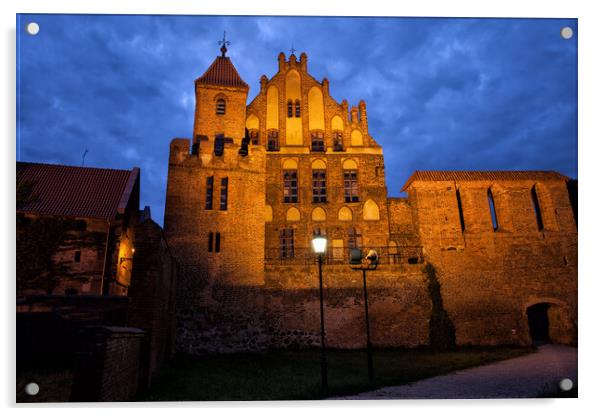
<point x="441" y="94"/>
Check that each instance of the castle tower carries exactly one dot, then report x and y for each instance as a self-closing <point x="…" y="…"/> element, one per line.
<point x="214" y="214"/>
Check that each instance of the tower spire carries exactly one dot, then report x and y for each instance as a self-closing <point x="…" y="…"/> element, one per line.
<point x="223" y="42"/>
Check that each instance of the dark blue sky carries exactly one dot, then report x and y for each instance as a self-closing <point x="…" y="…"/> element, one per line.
<point x="479" y="94"/>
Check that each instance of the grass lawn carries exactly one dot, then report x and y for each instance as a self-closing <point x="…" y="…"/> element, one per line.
<point x="295" y="375"/>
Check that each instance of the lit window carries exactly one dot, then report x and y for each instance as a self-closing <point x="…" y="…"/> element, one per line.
<point x="351" y="187"/>
<point x="318" y="178"/>
<point x="290" y="186"/>
<point x="223" y="195"/>
<point x="220" y="107"/>
<point x="287" y="244"/>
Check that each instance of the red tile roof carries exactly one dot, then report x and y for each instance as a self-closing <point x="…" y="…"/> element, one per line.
<point x="73" y="191"/>
<point x="222" y="72"/>
<point x="483" y="175"/>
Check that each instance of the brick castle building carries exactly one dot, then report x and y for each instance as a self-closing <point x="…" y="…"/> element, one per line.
<point x="257" y="181"/>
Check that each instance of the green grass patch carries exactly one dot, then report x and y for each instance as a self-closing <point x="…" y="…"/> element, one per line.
<point x="295" y="375"/>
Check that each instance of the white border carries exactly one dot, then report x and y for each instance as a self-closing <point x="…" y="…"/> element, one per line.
<point x="590" y="135"/>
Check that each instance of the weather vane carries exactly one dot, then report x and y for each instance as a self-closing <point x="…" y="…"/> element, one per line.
<point x="224" y="43"/>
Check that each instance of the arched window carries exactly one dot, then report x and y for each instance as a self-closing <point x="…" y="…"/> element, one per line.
<point x="289" y="108"/>
<point x="492" y="210"/>
<point x="460" y="212"/>
<point x="318" y="214"/>
<point x="297" y="108"/>
<point x="536" y="208"/>
<point x="370" y="211"/>
<point x="220" y="107"/>
<point x="345" y="214"/>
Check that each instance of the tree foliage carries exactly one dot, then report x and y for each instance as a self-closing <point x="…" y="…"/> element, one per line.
<point x="37" y="241"/>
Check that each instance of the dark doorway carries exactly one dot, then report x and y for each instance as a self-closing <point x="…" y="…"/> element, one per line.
<point x="539" y="325"/>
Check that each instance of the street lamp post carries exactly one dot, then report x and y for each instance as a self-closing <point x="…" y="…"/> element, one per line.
<point x="370" y="262"/>
<point x="319" y="246"/>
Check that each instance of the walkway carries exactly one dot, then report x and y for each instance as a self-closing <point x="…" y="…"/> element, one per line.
<point x="527" y="376"/>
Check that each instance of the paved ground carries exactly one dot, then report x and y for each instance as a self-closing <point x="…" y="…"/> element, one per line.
<point x="526" y="376"/>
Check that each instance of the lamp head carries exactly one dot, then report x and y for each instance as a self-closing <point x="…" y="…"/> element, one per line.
<point x="372" y="257"/>
<point x="319" y="244"/>
<point x="355" y="256"/>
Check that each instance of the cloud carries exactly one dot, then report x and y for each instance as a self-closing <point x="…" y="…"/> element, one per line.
<point x="440" y="93"/>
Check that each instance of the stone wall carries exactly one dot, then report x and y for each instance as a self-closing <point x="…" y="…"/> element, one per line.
<point x="489" y="277"/>
<point x="399" y="306"/>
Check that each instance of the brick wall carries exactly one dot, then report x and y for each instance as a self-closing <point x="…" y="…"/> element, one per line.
<point x="489" y="278"/>
<point x="245" y="298"/>
<point x="152" y="294"/>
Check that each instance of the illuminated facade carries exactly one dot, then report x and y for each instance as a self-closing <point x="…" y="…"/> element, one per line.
<point x="257" y="181"/>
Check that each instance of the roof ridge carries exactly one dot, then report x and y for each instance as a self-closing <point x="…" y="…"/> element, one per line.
<point x="483" y="175"/>
<point x="73" y="166"/>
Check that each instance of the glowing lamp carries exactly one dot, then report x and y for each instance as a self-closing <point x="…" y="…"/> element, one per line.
<point x="319" y="244"/>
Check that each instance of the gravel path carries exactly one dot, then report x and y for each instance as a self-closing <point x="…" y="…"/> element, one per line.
<point x="526" y="376"/>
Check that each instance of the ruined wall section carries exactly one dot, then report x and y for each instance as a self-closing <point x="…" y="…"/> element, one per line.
<point x="489" y="277"/>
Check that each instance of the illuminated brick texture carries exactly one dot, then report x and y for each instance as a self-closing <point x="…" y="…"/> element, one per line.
<point x="297" y="163"/>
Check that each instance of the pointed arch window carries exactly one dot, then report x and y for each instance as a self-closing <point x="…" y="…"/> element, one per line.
<point x="220" y="107"/>
<point x="492" y="212"/>
<point x="297" y="108"/>
<point x="460" y="212"/>
<point x="536" y="208"/>
<point x="289" y="108"/>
